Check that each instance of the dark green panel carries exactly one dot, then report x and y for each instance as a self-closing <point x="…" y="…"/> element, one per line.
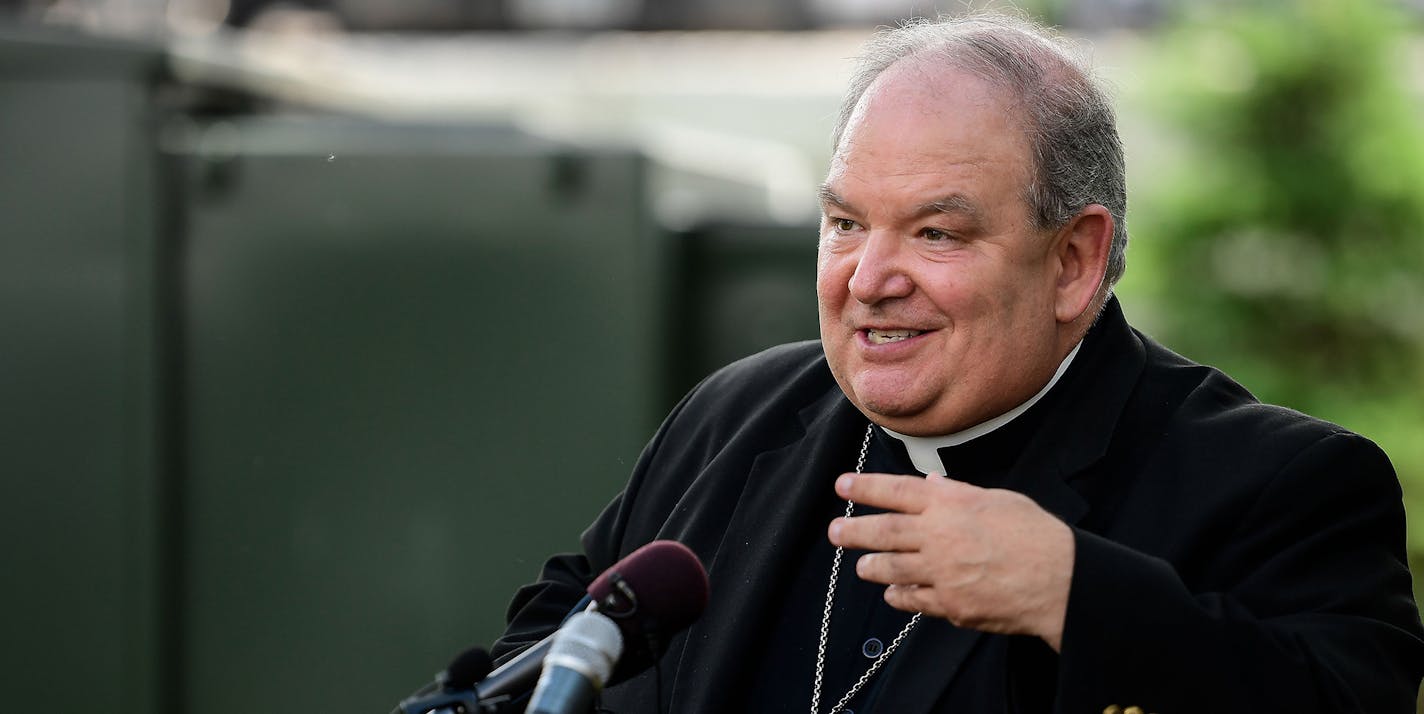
<point x="78" y="432"/>
<point x="743" y="288"/>
<point x="419" y="361"/>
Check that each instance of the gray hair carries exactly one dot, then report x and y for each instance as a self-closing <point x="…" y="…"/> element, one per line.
<point x="1067" y="116"/>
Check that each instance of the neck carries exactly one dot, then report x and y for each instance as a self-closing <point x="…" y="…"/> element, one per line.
<point x="924" y="450"/>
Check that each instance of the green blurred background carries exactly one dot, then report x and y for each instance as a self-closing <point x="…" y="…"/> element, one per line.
<point x="324" y="322"/>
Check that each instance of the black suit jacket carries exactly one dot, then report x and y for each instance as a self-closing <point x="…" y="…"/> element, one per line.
<point x="1230" y="556"/>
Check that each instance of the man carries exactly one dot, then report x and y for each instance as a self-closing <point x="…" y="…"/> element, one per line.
<point x="1085" y="521"/>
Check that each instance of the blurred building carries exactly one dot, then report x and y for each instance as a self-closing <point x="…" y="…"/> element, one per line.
<point x="486" y="15"/>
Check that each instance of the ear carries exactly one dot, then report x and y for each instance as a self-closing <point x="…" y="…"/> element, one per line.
<point x="1081" y="253"/>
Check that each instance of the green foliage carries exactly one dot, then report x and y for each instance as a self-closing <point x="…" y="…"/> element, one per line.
<point x="1284" y="237"/>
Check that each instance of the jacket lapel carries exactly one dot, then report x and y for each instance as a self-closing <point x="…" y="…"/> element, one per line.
<point x="766" y="531"/>
<point x="1079" y="428"/>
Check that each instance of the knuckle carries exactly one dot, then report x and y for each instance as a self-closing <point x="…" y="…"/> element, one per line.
<point x="902" y="489"/>
<point x="955" y="493"/>
<point x="896" y="526"/>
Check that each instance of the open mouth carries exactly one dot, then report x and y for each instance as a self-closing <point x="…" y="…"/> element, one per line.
<point x="885" y="337"/>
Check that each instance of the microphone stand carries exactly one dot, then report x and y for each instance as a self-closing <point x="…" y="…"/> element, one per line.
<point x="496" y="693"/>
<point x="463" y="701"/>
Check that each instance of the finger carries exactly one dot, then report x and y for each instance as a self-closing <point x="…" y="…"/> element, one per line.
<point x="910" y="598"/>
<point x="891" y="568"/>
<point x="892" y="492"/>
<point x="882" y="531"/>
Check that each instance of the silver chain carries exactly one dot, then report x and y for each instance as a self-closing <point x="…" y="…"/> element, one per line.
<point x="826" y="615"/>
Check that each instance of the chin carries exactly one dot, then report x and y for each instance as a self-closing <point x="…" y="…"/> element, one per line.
<point x="890" y="408"/>
<point x="914" y="418"/>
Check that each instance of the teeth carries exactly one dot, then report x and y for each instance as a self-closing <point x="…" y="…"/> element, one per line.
<point x="881" y="337"/>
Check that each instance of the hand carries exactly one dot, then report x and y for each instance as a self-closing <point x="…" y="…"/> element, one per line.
<point x="986" y="559"/>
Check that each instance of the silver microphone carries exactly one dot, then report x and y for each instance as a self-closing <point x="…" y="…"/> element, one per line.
<point x="580" y="661"/>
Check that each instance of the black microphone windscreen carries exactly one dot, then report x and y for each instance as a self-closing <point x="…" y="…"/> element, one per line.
<point x="467" y="668"/>
<point x="659" y="588"/>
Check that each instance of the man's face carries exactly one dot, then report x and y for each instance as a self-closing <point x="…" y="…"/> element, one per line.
<point x="936" y="292"/>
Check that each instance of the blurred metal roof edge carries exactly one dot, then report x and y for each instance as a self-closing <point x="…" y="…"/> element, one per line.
<point x="32" y="51"/>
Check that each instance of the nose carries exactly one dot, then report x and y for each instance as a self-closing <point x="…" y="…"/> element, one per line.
<point x="880" y="271"/>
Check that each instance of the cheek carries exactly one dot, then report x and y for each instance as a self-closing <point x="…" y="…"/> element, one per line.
<point x="953" y="292"/>
<point x="832" y="280"/>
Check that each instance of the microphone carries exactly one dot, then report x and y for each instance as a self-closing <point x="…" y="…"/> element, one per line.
<point x="579" y="662"/>
<point x="651" y="594"/>
<point x="452" y="690"/>
<point x="467" y="668"/>
<point x="654" y="593"/>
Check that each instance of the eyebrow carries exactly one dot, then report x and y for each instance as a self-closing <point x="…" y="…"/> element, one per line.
<point x="953" y="204"/>
<point x="829" y="197"/>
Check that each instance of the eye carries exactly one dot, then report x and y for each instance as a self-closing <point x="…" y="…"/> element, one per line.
<point x="936" y="235"/>
<point x="844" y="225"/>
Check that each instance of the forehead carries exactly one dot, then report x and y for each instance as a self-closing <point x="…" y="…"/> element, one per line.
<point x="934" y="129"/>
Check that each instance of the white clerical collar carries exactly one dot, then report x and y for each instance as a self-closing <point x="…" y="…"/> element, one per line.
<point x="924" y="450"/>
